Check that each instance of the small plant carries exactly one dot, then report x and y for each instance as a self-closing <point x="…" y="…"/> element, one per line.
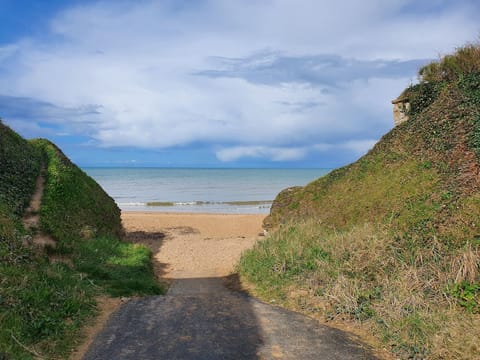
<point x="467" y="295"/>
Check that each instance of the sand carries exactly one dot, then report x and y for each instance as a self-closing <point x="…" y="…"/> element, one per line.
<point x="192" y="245"/>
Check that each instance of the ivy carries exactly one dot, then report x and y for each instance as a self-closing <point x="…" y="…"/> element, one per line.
<point x="422" y="95"/>
<point x="19" y="168"/>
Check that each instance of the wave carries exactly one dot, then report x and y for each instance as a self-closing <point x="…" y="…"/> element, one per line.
<point x="262" y="203"/>
<point x="131" y="204"/>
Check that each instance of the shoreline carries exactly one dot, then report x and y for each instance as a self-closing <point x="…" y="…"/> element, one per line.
<point x="130" y="212"/>
<point x="198" y="209"/>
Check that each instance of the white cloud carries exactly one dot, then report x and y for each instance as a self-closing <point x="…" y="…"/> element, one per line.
<point x="262" y="152"/>
<point x="7" y="51"/>
<point x="359" y="147"/>
<point x="136" y="62"/>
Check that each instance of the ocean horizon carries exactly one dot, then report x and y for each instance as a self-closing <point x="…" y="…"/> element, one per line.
<point x="208" y="190"/>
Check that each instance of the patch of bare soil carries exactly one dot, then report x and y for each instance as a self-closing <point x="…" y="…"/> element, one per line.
<point x="31" y="218"/>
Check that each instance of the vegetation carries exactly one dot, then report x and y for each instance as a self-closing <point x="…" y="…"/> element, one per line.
<point x="391" y="241"/>
<point x="44" y="303"/>
<point x="465" y="61"/>
<point x="73" y="204"/>
<point x="122" y="269"/>
<point x="19" y="167"/>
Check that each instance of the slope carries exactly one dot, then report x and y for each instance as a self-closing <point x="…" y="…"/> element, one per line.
<point x="44" y="302"/>
<point x="392" y="240"/>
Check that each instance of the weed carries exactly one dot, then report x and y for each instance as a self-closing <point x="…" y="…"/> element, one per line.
<point x="468" y="295"/>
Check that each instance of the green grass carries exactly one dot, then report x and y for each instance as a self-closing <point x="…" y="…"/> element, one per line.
<point x="73" y="204"/>
<point x="122" y="269"/>
<point x="44" y="305"/>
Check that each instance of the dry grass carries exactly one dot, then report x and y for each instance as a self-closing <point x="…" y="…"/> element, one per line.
<point x="457" y="337"/>
<point x="466" y="265"/>
<point x="465" y="60"/>
<point x="362" y="275"/>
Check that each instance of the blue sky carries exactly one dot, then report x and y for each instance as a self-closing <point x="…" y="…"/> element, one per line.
<point x="217" y="83"/>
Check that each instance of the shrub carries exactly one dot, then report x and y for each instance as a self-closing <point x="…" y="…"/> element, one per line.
<point x="465" y="60"/>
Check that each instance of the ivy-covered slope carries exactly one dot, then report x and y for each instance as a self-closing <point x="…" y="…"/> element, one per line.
<point x="427" y="167"/>
<point x="19" y="168"/>
<point x="393" y="240"/>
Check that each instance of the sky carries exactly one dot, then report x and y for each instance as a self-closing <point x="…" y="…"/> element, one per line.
<point x="217" y="83"/>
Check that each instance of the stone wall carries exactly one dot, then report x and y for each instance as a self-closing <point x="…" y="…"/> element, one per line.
<point x="401" y="108"/>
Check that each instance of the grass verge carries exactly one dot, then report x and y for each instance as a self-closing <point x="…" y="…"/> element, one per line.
<point x="43" y="305"/>
<point x="122" y="269"/>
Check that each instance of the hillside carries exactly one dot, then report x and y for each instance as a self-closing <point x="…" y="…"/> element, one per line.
<point x="47" y="294"/>
<point x="392" y="240"/>
<point x="73" y="204"/>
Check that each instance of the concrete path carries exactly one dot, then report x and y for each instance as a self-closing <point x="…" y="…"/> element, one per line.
<point x="201" y="319"/>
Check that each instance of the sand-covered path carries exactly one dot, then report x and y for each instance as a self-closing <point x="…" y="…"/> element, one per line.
<point x="200" y="318"/>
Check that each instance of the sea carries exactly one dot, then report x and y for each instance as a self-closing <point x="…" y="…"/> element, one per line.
<point x="231" y="191"/>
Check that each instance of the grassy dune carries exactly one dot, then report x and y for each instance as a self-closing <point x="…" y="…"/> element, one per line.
<point x="392" y="241"/>
<point x="44" y="304"/>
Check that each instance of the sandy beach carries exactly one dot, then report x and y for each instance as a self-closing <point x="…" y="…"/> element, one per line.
<point x="188" y="245"/>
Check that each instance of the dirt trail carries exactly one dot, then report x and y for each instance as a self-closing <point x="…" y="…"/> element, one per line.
<point x="31" y="217"/>
<point x="200" y="318"/>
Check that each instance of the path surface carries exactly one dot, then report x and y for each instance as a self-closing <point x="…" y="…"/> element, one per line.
<point x="31" y="217"/>
<point x="200" y="318"/>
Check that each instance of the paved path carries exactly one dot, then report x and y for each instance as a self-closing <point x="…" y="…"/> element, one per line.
<point x="201" y="319"/>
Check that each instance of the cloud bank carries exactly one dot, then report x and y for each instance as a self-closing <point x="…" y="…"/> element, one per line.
<point x="270" y="79"/>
